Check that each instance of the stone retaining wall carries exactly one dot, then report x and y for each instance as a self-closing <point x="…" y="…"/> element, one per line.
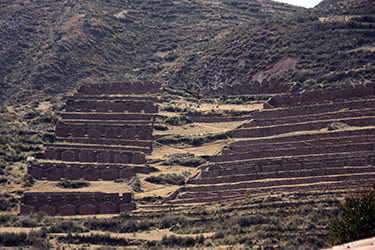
<point x="108" y="106"/>
<point x="321" y="96"/>
<point x="60" y="171"/>
<point x="288" y="128"/>
<point x="317" y="108"/>
<point x="104" y="141"/>
<point x="97" y="131"/>
<point x="120" y="88"/>
<point x="307" y="118"/>
<point x="87" y="154"/>
<point x="231" y="177"/>
<point x="294" y="152"/>
<point x="233" y="149"/>
<point x="76" y="203"/>
<point x="239" y="194"/>
<point x="276" y="182"/>
<point x="107" y="116"/>
<point x="285" y="163"/>
<point x="306" y="137"/>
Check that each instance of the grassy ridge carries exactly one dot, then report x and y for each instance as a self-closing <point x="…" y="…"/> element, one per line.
<point x="331" y="44"/>
<point x="49" y="47"/>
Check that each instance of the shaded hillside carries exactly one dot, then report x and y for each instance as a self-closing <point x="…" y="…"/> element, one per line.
<point x="51" y="46"/>
<point x="331" y="44"/>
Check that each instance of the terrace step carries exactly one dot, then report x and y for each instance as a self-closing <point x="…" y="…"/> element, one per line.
<point x="107" y="130"/>
<point x="230" y="150"/>
<point x="232" y="178"/>
<point x="359" y="158"/>
<point x="54" y="171"/>
<point x="110" y="106"/>
<point x="303" y="126"/>
<point x="95" y="153"/>
<point x="104" y="141"/>
<point x="122" y="88"/>
<point x="214" y="193"/>
<point x="318" y="108"/>
<point x="76" y="203"/>
<point x="107" y="116"/>
<point x="117" y="97"/>
<point x="323" y="96"/>
<point x="304" y="137"/>
<point x="312" y="117"/>
<point x="306" y="150"/>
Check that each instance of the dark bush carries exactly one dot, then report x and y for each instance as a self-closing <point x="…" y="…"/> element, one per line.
<point x="171" y="241"/>
<point x="72" y="184"/>
<point x="177" y="120"/>
<point x="190" y="161"/>
<point x="99" y="239"/>
<point x="160" y="127"/>
<point x="7" y="219"/>
<point x="356" y="219"/>
<point x="65" y="227"/>
<point x="34" y="238"/>
<point x="172" y="179"/>
<point x="28" y="181"/>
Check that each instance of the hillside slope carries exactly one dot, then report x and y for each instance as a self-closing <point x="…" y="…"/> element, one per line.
<point x="52" y="46"/>
<point x="331" y="44"/>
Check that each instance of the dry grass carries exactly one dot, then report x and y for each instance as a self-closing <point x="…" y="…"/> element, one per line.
<point x="200" y="128"/>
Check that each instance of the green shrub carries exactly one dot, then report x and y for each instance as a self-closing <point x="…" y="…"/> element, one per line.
<point x="356" y="219"/>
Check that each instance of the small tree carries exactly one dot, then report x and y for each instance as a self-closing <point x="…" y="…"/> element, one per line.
<point x="356" y="219"/>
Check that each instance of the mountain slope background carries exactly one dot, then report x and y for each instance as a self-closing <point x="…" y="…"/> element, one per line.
<point x="332" y="44"/>
<point x="50" y="47"/>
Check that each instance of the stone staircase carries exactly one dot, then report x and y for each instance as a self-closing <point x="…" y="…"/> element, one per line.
<point x="326" y="143"/>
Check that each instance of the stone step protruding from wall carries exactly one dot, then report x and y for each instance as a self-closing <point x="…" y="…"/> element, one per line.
<point x="321" y="96"/>
<point x="231" y="193"/>
<point x="294" y="151"/>
<point x="107" y="116"/>
<point x="125" y="106"/>
<point x="94" y="153"/>
<point x="316" y="108"/>
<point x="294" y="127"/>
<point x="103" y="130"/>
<point x="120" y="88"/>
<point x="54" y="171"/>
<point x="322" y="138"/>
<point x="310" y="118"/>
<point x="76" y="203"/>
<point x="104" y="141"/>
